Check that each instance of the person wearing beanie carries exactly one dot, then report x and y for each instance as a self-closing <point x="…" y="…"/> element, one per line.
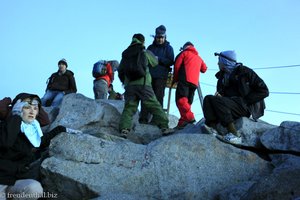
<point x="139" y="89"/>
<point x="187" y="68"/>
<point x="59" y="84"/>
<point x="240" y="93"/>
<point x="164" y="52"/>
<point x="22" y="146"/>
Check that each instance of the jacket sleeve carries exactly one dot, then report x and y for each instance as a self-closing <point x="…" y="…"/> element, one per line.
<point x="4" y="107"/>
<point x="168" y="59"/>
<point x="203" y="67"/>
<point x="110" y="73"/>
<point x="151" y="58"/>
<point x="9" y="131"/>
<point x="177" y="65"/>
<point x="72" y="88"/>
<point x="258" y="90"/>
<point x="47" y="137"/>
<point x="121" y="72"/>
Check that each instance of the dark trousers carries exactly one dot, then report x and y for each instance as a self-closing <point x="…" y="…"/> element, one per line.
<point x="158" y="86"/>
<point x="223" y="110"/>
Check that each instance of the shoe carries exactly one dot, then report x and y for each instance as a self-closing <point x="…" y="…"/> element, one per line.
<point x="124" y="133"/>
<point x="167" y="131"/>
<point x="233" y="138"/>
<point x="184" y="124"/>
<point x="73" y="131"/>
<point x="209" y="130"/>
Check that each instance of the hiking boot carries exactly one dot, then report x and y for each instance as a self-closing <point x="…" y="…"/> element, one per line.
<point x="233" y="138"/>
<point x="124" y="133"/>
<point x="209" y="130"/>
<point x="184" y="124"/>
<point x="167" y="131"/>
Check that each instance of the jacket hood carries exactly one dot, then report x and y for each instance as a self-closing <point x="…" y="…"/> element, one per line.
<point x="23" y="96"/>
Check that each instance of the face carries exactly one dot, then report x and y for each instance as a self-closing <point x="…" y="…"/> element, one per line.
<point x="160" y="39"/>
<point x="62" y="67"/>
<point x="221" y="66"/>
<point x="30" y="110"/>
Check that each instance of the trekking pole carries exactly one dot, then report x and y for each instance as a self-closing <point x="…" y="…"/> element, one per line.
<point x="200" y="95"/>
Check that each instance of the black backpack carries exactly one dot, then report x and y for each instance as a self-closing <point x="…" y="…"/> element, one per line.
<point x="135" y="65"/>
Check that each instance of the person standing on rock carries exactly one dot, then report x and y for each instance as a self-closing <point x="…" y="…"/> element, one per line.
<point x="21" y="142"/>
<point x="164" y="52"/>
<point x="139" y="88"/>
<point x="187" y="68"/>
<point x="240" y="93"/>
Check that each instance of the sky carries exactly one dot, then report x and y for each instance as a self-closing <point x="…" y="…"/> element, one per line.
<point x="36" y="34"/>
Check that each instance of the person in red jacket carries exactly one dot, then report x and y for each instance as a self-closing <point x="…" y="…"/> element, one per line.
<point x="102" y="83"/>
<point x="187" y="68"/>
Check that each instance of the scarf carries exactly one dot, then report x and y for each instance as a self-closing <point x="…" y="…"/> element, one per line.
<point x="33" y="132"/>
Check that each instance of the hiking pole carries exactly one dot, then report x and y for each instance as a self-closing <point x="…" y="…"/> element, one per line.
<point x="200" y="95"/>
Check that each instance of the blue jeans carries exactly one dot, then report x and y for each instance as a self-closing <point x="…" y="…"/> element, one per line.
<point x="53" y="96"/>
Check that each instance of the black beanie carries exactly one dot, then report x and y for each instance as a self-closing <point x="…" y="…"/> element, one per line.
<point x="139" y="36"/>
<point x="160" y="31"/>
<point x="63" y="61"/>
<point x="187" y="44"/>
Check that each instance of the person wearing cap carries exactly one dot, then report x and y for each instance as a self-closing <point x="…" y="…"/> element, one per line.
<point x="187" y="68"/>
<point x="21" y="142"/>
<point x="59" y="84"/>
<point x="164" y="52"/>
<point x="140" y="90"/>
<point x="240" y="93"/>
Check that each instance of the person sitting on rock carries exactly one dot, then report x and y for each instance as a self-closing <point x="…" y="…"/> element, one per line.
<point x="21" y="141"/>
<point x="240" y="93"/>
<point x="59" y="84"/>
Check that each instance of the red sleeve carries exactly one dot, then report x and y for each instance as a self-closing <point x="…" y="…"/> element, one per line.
<point x="110" y="72"/>
<point x="177" y="65"/>
<point x="203" y="67"/>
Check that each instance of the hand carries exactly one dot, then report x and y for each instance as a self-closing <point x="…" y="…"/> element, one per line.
<point x="17" y="108"/>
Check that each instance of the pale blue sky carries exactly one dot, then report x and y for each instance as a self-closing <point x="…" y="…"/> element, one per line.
<point x="36" y="34"/>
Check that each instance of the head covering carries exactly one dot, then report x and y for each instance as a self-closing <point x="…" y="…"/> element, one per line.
<point x="23" y="96"/>
<point x="160" y="31"/>
<point x="63" y="61"/>
<point x="139" y="37"/>
<point x="228" y="58"/>
<point x="186" y="45"/>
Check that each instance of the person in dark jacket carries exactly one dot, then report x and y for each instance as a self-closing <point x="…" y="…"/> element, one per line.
<point x="21" y="139"/>
<point x="164" y="52"/>
<point x="187" y="68"/>
<point x="59" y="84"/>
<point x="140" y="90"/>
<point x="240" y="93"/>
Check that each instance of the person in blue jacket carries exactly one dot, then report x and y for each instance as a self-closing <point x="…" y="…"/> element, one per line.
<point x="164" y="52"/>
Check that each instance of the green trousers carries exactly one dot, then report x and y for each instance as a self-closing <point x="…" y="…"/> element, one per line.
<point x="135" y="94"/>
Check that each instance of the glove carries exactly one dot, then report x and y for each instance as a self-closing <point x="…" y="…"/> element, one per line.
<point x="17" y="108"/>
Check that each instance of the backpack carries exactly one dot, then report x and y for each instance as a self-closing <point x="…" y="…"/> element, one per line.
<point x="99" y="69"/>
<point x="135" y="65"/>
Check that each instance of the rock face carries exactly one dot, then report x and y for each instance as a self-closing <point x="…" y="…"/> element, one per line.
<point x="186" y="165"/>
